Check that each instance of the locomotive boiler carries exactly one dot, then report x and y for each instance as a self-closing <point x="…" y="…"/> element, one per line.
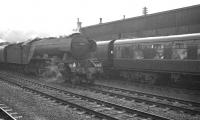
<point x="68" y="57"/>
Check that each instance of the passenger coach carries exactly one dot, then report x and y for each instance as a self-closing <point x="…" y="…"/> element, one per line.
<point x="165" y="59"/>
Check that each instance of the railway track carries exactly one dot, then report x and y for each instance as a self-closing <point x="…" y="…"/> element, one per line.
<point x="85" y="105"/>
<point x="7" y="113"/>
<point x="189" y="107"/>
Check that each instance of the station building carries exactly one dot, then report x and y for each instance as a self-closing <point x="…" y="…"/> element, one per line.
<point x="178" y="21"/>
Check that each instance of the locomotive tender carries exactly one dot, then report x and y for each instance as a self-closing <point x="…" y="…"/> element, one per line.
<point x="67" y="57"/>
<point x="153" y="60"/>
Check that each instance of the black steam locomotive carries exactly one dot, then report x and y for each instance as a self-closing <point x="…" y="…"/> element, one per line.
<point x="68" y="57"/>
<point x="162" y="60"/>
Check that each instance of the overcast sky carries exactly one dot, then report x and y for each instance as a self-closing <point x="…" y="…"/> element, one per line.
<point x="59" y="17"/>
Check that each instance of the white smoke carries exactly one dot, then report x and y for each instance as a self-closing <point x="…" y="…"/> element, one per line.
<point x="1" y="40"/>
<point x="19" y="36"/>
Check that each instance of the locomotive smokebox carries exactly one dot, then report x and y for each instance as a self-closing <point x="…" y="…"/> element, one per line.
<point x="81" y="46"/>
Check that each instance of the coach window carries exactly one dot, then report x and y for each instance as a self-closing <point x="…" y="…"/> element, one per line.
<point x="138" y="52"/>
<point x="118" y="52"/>
<point x="132" y="49"/>
<point x="198" y="52"/>
<point x="167" y="52"/>
<point x="123" y="52"/>
<point x="159" y="51"/>
<point x="126" y="52"/>
<point x="192" y="50"/>
<point x="179" y="51"/>
<point x="149" y="51"/>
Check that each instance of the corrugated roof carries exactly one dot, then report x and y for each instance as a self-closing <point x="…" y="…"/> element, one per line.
<point x="142" y="16"/>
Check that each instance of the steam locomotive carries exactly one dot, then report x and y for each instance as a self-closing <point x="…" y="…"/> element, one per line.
<point x="153" y="60"/>
<point x="69" y="57"/>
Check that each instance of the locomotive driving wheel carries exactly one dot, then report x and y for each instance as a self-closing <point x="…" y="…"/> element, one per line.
<point x="75" y="80"/>
<point x="67" y="74"/>
<point x="90" y="79"/>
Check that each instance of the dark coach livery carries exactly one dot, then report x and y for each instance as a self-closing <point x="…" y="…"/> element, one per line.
<point x="151" y="59"/>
